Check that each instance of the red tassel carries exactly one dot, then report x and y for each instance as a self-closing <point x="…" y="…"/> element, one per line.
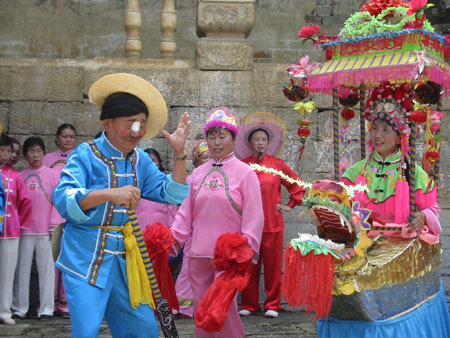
<point x="159" y="240"/>
<point x="234" y="255"/>
<point x="308" y="281"/>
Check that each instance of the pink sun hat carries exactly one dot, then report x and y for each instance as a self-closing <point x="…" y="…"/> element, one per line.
<point x="221" y="117"/>
<point x="272" y="123"/>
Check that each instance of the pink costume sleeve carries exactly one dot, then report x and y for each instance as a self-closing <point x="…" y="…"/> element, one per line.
<point x="252" y="212"/>
<point x="182" y="225"/>
<point x="24" y="203"/>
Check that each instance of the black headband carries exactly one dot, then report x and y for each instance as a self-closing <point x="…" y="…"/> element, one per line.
<point x="122" y="104"/>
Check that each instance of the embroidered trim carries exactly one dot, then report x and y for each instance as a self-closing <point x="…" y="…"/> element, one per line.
<point x="227" y="189"/>
<point x="103" y="238"/>
<point x="185" y="301"/>
<point x="54" y="164"/>
<point x="40" y="186"/>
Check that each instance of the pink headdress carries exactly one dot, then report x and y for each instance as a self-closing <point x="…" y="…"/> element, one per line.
<point x="221" y="117"/>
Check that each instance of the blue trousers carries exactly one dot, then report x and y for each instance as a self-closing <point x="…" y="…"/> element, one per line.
<point x="88" y="305"/>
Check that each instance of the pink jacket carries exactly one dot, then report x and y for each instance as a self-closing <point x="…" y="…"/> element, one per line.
<point x="17" y="203"/>
<point x="149" y="212"/>
<point x="222" y="199"/>
<point x="56" y="160"/>
<point x="40" y="184"/>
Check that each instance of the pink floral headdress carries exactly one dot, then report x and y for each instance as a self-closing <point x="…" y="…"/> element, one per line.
<point x="221" y="117"/>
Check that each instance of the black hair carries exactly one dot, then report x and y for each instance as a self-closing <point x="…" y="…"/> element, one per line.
<point x="98" y="134"/>
<point x="254" y="131"/>
<point x="5" y="140"/>
<point x="213" y="129"/>
<point x="31" y="142"/>
<point x="65" y="126"/>
<point x="155" y="152"/>
<point x="15" y="141"/>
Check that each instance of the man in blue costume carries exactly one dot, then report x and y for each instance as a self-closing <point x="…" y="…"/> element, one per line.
<point x="102" y="179"/>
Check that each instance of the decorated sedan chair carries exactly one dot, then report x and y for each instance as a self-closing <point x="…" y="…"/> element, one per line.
<point x="363" y="274"/>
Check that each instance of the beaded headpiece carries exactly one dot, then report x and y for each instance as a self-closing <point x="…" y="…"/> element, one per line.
<point x="200" y="148"/>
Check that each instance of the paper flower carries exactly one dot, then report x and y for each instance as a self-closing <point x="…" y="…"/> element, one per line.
<point x="415" y="6"/>
<point x="309" y="32"/>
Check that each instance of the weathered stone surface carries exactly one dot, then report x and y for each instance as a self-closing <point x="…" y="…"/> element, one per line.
<point x="217" y="54"/>
<point x="40" y="82"/>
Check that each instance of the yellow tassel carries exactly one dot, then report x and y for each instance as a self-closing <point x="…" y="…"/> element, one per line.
<point x="138" y="283"/>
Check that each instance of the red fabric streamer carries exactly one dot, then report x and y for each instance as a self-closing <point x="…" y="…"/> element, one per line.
<point x="159" y="240"/>
<point x="234" y="255"/>
<point x="308" y="281"/>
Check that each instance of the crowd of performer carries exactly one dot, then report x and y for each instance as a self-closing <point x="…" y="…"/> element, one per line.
<point x="90" y="188"/>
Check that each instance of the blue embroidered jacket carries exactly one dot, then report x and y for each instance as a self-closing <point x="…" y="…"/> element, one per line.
<point x="86" y="250"/>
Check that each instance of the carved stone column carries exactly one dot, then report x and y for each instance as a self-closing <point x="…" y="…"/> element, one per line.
<point x="133" y="23"/>
<point x="168" y="24"/>
<point x="223" y="26"/>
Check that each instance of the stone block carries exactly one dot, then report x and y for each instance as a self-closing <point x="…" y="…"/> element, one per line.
<point x="226" y="18"/>
<point x="41" y="82"/>
<point x="219" y="54"/>
<point x="226" y="88"/>
<point x="43" y="118"/>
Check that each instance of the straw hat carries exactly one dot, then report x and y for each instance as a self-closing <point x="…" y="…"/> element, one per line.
<point x="272" y="123"/>
<point x="137" y="86"/>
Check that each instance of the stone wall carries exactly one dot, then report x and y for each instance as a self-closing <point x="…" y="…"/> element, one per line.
<point x="51" y="51"/>
<point x="84" y="29"/>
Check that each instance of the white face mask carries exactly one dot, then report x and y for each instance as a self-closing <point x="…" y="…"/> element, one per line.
<point x="136" y="126"/>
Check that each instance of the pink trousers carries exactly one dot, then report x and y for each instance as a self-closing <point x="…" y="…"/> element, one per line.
<point x="202" y="274"/>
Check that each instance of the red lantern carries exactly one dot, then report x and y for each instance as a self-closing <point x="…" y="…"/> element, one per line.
<point x="418" y="116"/>
<point x="303" y="132"/>
<point x="432" y="155"/>
<point x="348" y="113"/>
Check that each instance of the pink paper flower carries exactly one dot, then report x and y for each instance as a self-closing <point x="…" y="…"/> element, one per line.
<point x="415" y="6"/>
<point x="308" y="31"/>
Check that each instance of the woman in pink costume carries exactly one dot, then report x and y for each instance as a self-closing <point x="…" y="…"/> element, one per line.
<point x="149" y="212"/>
<point x="40" y="182"/>
<point x="65" y="140"/>
<point x="225" y="198"/>
<point x="17" y="216"/>
<point x="200" y="155"/>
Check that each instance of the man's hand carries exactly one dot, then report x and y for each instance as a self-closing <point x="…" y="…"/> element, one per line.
<point x="127" y="196"/>
<point x="177" y="139"/>
<point x="417" y="223"/>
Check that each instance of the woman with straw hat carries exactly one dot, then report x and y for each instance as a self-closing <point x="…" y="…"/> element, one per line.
<point x="102" y="180"/>
<point x="261" y="141"/>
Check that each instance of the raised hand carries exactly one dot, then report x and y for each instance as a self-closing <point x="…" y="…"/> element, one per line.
<point x="177" y="139"/>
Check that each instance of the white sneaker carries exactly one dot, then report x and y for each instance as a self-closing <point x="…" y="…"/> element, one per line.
<point x="9" y="321"/>
<point x="271" y="314"/>
<point x="245" y="312"/>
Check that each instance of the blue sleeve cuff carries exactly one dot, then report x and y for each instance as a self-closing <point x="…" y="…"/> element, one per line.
<point x="73" y="197"/>
<point x="175" y="192"/>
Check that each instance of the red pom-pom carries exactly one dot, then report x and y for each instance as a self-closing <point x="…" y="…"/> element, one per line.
<point x="159" y="240"/>
<point x="232" y="254"/>
<point x="407" y="104"/>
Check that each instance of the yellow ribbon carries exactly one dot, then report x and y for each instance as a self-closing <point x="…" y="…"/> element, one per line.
<point x="138" y="283"/>
<point x="305" y="106"/>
